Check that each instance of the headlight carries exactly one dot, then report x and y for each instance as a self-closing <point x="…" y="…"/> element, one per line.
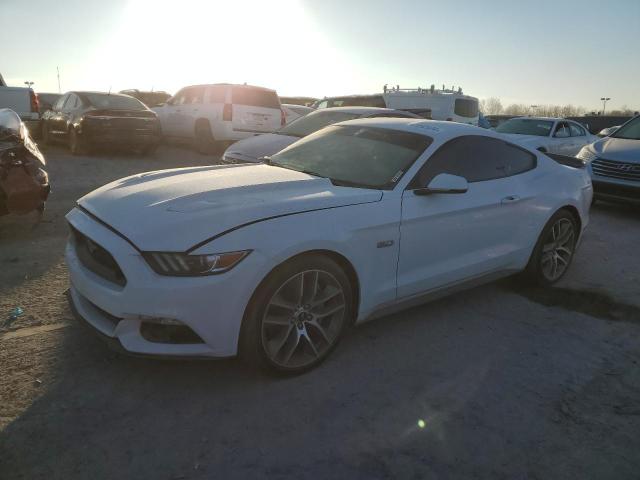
<point x="185" y="265"/>
<point x="586" y="155"/>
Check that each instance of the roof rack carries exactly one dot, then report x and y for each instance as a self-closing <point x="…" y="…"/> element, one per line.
<point x="431" y="90"/>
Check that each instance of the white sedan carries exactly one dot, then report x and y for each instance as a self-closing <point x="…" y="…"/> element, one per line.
<point x="274" y="261"/>
<point x="553" y="135"/>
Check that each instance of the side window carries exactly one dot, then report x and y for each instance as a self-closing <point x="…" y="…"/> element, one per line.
<point x="562" y="130"/>
<point x="323" y="104"/>
<point x="517" y="160"/>
<point x="216" y="95"/>
<point x="194" y="95"/>
<point x="178" y="98"/>
<point x="576" y="130"/>
<point x="473" y="157"/>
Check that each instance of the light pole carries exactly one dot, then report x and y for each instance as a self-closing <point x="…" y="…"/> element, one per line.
<point x="28" y="84"/>
<point x="604" y="104"/>
<point x="533" y="107"/>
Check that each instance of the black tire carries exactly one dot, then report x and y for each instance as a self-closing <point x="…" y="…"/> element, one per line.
<point x="77" y="144"/>
<point x="252" y="348"/>
<point x="204" y="141"/>
<point x="536" y="272"/>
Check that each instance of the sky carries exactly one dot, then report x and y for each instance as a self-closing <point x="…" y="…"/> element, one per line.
<point x="542" y="52"/>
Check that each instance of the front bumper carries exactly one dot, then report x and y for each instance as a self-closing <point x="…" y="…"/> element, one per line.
<point x="615" y="189"/>
<point x="211" y="306"/>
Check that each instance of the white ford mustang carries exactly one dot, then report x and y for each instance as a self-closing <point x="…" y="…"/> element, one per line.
<point x="274" y="261"/>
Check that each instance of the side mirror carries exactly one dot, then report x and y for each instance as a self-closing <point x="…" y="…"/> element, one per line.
<point x="444" y="183"/>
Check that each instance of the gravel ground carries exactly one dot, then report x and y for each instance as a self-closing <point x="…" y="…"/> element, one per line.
<point x="502" y="381"/>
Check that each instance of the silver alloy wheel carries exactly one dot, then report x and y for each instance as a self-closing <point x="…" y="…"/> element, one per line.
<point x="558" y="249"/>
<point x="303" y="319"/>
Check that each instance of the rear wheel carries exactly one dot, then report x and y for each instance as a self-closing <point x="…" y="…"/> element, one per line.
<point x="297" y="316"/>
<point x="204" y="141"/>
<point x="554" y="250"/>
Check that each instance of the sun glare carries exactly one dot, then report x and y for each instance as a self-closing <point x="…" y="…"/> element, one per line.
<point x="271" y="44"/>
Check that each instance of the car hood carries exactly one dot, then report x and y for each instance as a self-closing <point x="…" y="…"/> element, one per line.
<point x="173" y="210"/>
<point x="252" y="148"/>
<point x="618" y="149"/>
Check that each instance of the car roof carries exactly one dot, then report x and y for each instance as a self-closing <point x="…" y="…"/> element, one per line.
<point x="84" y="92"/>
<point x="229" y="85"/>
<point x="431" y="128"/>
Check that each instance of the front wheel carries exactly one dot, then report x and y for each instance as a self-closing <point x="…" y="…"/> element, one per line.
<point x="297" y="316"/>
<point x="554" y="250"/>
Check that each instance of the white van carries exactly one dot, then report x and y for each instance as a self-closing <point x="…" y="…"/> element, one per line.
<point x="450" y="105"/>
<point x="221" y="112"/>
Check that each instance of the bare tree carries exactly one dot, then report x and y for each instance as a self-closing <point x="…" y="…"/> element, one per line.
<point x="491" y="106"/>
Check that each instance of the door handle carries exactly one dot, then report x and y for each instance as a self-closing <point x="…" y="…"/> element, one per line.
<point x="510" y="199"/>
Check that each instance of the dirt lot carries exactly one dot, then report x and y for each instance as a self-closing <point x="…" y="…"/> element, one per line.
<point x="498" y="382"/>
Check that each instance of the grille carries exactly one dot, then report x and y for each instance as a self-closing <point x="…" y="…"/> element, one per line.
<point x="97" y="259"/>
<point x="613" y="169"/>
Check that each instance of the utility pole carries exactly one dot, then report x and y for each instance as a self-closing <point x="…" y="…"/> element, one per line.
<point x="59" y="89"/>
<point x="604" y="104"/>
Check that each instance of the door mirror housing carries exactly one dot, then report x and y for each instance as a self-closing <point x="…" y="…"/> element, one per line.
<point x="444" y="183"/>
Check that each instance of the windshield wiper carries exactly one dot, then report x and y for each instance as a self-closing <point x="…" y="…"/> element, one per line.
<point x="347" y="183"/>
<point x="308" y="172"/>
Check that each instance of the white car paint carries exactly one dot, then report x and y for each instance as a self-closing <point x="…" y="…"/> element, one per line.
<point x="252" y="149"/>
<point x="565" y="137"/>
<point x="217" y="106"/>
<point x="431" y="242"/>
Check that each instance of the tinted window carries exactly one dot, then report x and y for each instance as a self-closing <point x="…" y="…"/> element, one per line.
<point x="217" y="95"/>
<point x="117" y="102"/>
<point x="466" y="107"/>
<point x="313" y="122"/>
<point x="475" y="158"/>
<point x="254" y="97"/>
<point x="577" y="130"/>
<point x="354" y="155"/>
<point x="526" y="126"/>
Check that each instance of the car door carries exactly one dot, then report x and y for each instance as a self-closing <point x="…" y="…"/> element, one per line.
<point x="579" y="139"/>
<point x="449" y="238"/>
<point x="561" y="139"/>
<point x="171" y="114"/>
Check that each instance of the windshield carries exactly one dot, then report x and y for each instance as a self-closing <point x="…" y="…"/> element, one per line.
<point x="629" y="131"/>
<point x="350" y="155"/>
<point x="526" y="126"/>
<point x="117" y="102"/>
<point x="313" y="122"/>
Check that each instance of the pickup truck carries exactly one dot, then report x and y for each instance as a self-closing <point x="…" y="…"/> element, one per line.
<point x="24" y="102"/>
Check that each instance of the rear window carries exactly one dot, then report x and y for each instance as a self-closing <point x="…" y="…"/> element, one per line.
<point x="118" y="102"/>
<point x="466" y="107"/>
<point x="255" y="97"/>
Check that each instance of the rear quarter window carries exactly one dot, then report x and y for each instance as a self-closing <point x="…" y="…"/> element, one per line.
<point x="255" y="97"/>
<point x="466" y="107"/>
